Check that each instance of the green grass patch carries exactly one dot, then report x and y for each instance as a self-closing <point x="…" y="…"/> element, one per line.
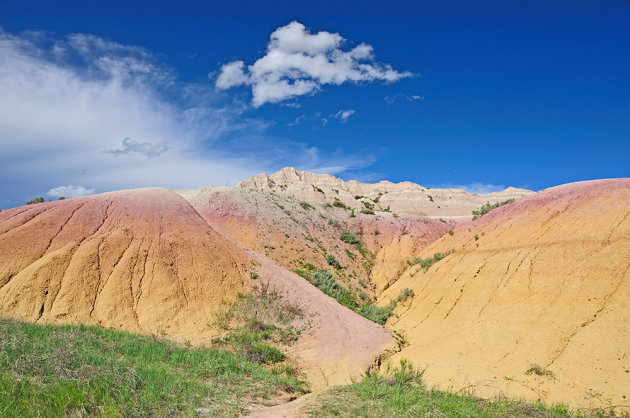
<point x="400" y="392"/>
<point x="325" y="282"/>
<point x="48" y="370"/>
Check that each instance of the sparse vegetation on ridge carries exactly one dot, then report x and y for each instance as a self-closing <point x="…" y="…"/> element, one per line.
<point x="35" y="201"/>
<point x="425" y="263"/>
<point x="339" y="204"/>
<point x="305" y="204"/>
<point x="258" y="321"/>
<point x="488" y="207"/>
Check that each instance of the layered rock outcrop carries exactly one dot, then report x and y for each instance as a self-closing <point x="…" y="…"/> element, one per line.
<point x="404" y="197"/>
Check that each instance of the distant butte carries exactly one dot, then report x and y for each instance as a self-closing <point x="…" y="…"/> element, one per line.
<point x="404" y="197"/>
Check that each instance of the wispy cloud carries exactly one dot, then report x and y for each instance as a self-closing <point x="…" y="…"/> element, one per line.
<point x="66" y="101"/>
<point x="341" y="115"/>
<point x="299" y="63"/>
<point x="475" y="187"/>
<point x="69" y="191"/>
<point x="402" y="98"/>
<point x="147" y="149"/>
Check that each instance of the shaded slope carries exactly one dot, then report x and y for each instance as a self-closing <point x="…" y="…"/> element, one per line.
<point x="338" y="344"/>
<point x="293" y="234"/>
<point x="138" y="260"/>
<point x="544" y="281"/>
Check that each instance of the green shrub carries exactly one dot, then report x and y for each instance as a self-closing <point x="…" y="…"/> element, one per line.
<point x="253" y="275"/>
<point x="332" y="261"/>
<point x="425" y="263"/>
<point x="348" y="237"/>
<point x="488" y="207"/>
<point x="450" y="232"/>
<point x="333" y="222"/>
<point x="325" y="282"/>
<point x="405" y="294"/>
<point x="377" y="314"/>
<point x="35" y="201"/>
<point x="339" y="204"/>
<point x="305" y="204"/>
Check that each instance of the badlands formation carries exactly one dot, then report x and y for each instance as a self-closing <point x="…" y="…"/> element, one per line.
<point x="530" y="300"/>
<point x="405" y="197"/>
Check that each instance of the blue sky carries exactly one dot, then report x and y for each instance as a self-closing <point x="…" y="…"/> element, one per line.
<point x="98" y="96"/>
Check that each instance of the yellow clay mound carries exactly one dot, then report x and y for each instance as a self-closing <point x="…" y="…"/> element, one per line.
<point x="534" y="302"/>
<point x="140" y="260"/>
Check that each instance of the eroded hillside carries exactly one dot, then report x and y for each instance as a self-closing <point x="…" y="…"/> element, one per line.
<point x="534" y="301"/>
<point x="145" y="260"/>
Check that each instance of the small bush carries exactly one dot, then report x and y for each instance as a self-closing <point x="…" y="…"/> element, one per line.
<point x="405" y="294"/>
<point x="352" y="215"/>
<point x="253" y="275"/>
<point x="538" y="371"/>
<point x="377" y="314"/>
<point x="425" y="263"/>
<point x="333" y="222"/>
<point x="367" y="211"/>
<point x="332" y="261"/>
<point x="35" y="201"/>
<point x="450" y="232"/>
<point x="325" y="282"/>
<point x="348" y="237"/>
<point x="305" y="205"/>
<point x="488" y="207"/>
<point x="339" y="204"/>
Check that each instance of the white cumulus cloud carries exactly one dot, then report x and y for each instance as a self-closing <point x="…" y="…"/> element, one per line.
<point x="298" y="63"/>
<point x="69" y="191"/>
<point x="66" y="104"/>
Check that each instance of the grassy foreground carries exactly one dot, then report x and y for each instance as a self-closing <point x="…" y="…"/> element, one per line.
<point x="400" y="392"/>
<point x="48" y="370"/>
<point x="81" y="370"/>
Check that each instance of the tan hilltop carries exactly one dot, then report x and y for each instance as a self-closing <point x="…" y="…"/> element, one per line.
<point x="404" y="197"/>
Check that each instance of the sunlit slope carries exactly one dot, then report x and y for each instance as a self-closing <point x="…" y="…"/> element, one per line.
<point x="542" y="283"/>
<point x="145" y="260"/>
<point x="141" y="260"/>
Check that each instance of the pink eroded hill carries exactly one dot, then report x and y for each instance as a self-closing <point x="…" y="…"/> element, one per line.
<point x="141" y="260"/>
<point x="145" y="260"/>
